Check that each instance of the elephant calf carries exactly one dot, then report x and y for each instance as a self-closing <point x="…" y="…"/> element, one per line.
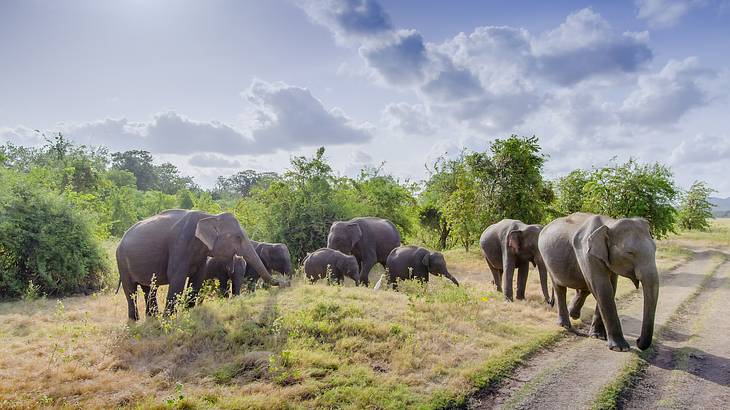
<point x="511" y="244"/>
<point x="214" y="270"/>
<point x="274" y="256"/>
<point x="414" y="262"/>
<point x="339" y="264"/>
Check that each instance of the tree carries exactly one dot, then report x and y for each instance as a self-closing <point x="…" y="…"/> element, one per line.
<point x="241" y="183"/>
<point x="383" y="196"/>
<point x="569" y="192"/>
<point x="696" y="209"/>
<point x="631" y="189"/>
<point x="140" y="164"/>
<point x="170" y="181"/>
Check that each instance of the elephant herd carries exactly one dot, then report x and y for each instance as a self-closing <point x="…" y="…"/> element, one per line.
<point x="582" y="251"/>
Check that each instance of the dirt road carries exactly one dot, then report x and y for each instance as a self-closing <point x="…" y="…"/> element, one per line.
<point x="573" y="374"/>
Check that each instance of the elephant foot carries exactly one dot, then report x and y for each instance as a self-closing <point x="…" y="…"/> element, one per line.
<point x="597" y="334"/>
<point x="575" y="313"/>
<point x="565" y="324"/>
<point x="620" y="345"/>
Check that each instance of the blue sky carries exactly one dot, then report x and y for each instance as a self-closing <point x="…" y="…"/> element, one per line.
<point x="217" y="86"/>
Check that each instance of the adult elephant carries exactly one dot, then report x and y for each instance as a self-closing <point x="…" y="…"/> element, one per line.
<point x="510" y="244"/>
<point x="274" y="256"/>
<point x="172" y="247"/>
<point x="219" y="271"/>
<point x="588" y="252"/>
<point x="415" y="262"/>
<point x="370" y="240"/>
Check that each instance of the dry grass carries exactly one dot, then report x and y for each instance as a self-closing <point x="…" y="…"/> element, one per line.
<point x="303" y="347"/>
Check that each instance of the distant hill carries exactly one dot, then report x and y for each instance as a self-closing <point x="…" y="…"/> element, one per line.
<point x="721" y="208"/>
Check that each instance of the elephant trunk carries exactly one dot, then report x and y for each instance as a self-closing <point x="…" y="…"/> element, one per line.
<point x="650" y="285"/>
<point x="542" y="271"/>
<point x="248" y="253"/>
<point x="451" y="278"/>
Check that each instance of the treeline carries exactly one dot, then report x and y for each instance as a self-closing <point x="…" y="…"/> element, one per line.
<point x="59" y="200"/>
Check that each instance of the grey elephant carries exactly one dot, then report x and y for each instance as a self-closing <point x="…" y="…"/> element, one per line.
<point x="173" y="247"/>
<point x="510" y="244"/>
<point x="369" y="239"/>
<point x="588" y="252"/>
<point x="317" y="263"/>
<point x="214" y="270"/>
<point x="274" y="256"/>
<point x="415" y="262"/>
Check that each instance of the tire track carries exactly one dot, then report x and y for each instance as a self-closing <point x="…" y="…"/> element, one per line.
<point x="571" y="374"/>
<point x="691" y="367"/>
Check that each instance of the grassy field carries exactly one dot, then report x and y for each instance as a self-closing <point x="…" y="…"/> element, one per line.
<point x="302" y="347"/>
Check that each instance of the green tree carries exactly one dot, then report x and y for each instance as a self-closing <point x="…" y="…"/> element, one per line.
<point x="241" y="183"/>
<point x="632" y="189"/>
<point x="569" y="192"/>
<point x="696" y="208"/>
<point x="384" y="196"/>
<point x="140" y="164"/>
<point x="170" y="181"/>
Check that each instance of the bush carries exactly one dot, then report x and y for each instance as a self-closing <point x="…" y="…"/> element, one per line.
<point x="696" y="208"/>
<point x="45" y="241"/>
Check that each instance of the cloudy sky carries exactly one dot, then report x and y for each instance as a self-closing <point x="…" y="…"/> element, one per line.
<point x="216" y="86"/>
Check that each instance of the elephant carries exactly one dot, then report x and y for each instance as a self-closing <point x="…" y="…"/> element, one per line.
<point x="274" y="256"/>
<point x="589" y="252"/>
<point x="173" y="247"/>
<point x="218" y="271"/>
<point x="510" y="244"/>
<point x="340" y="265"/>
<point x="369" y="239"/>
<point x="415" y="262"/>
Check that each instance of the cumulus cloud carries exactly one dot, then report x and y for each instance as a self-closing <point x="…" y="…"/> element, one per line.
<point x="664" y="13"/>
<point x="349" y="19"/>
<point x="213" y="161"/>
<point x="662" y="98"/>
<point x="400" y="60"/>
<point x="413" y="119"/>
<point x="20" y="136"/>
<point x="290" y="117"/>
<point x="585" y="45"/>
<point x="701" y="149"/>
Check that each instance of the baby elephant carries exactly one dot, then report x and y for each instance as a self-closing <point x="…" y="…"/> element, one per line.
<point x="340" y="264"/>
<point x="234" y="273"/>
<point x="414" y="262"/>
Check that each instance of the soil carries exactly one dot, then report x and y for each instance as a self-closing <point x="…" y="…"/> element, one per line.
<point x="572" y="374"/>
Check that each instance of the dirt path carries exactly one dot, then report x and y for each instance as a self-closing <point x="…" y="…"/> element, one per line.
<point x="573" y="373"/>
<point x="692" y="366"/>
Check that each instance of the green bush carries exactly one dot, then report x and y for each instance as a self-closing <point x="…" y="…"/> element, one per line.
<point x="45" y="243"/>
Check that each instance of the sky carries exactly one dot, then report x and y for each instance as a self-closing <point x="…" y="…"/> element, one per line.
<point x="223" y="85"/>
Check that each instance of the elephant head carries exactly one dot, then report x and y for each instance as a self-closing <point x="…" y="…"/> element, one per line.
<point x="276" y="257"/>
<point x="523" y="244"/>
<point x="350" y="268"/>
<point x="225" y="239"/>
<point x="436" y="265"/>
<point x="627" y="249"/>
<point x="344" y="236"/>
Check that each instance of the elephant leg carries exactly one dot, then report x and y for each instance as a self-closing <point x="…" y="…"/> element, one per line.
<point x="603" y="289"/>
<point x="577" y="303"/>
<point x="174" y="292"/>
<point x="598" y="330"/>
<point x="365" y="267"/>
<point x="196" y="283"/>
<point x="130" y="292"/>
<point x="497" y="275"/>
<point x="561" y="295"/>
<point x="150" y="300"/>
<point x="507" y="277"/>
<point x="522" y="271"/>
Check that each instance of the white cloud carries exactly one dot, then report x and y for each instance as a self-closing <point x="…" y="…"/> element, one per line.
<point x="20" y="136"/>
<point x="213" y="161"/>
<point x="400" y="59"/>
<point x="701" y="149"/>
<point x="663" y="98"/>
<point x="349" y="19"/>
<point x="407" y="118"/>
<point x="664" y="13"/>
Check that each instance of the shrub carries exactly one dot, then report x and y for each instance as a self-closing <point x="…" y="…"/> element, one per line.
<point x="696" y="208"/>
<point x="44" y="240"/>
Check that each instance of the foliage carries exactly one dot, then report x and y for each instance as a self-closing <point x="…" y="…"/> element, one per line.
<point x="45" y="242"/>
<point x="631" y="189"/>
<point x="240" y="184"/>
<point x="140" y="164"/>
<point x="569" y="192"/>
<point x="696" y="209"/>
<point x="385" y="197"/>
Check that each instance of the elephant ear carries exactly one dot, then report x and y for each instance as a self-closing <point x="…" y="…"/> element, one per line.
<point x="426" y="260"/>
<point x="598" y="244"/>
<point x="207" y="231"/>
<point x="355" y="233"/>
<point x="514" y="240"/>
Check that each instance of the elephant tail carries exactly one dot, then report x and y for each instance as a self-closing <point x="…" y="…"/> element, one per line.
<point x="119" y="285"/>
